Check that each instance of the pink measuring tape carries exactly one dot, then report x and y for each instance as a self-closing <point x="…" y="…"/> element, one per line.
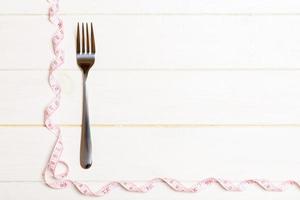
<point x="60" y="181"/>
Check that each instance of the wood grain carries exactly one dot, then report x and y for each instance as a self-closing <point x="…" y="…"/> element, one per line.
<point x="160" y="42"/>
<point x="143" y="153"/>
<point x="34" y="191"/>
<point x="229" y="70"/>
<point x="155" y="7"/>
<point x="157" y="97"/>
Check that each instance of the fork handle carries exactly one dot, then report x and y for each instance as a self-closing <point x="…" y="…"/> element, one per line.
<point x="86" y="143"/>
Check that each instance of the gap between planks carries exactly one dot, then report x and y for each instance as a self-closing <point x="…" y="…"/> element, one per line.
<point x="183" y="68"/>
<point x="155" y="14"/>
<point x="136" y="181"/>
<point x="158" y="125"/>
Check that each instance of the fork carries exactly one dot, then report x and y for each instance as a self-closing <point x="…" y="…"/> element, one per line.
<point x="85" y="55"/>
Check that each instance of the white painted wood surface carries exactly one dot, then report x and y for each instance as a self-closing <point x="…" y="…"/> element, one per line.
<point x="159" y="97"/>
<point x="163" y="42"/>
<point x="157" y="7"/>
<point x="187" y="89"/>
<point x="143" y="153"/>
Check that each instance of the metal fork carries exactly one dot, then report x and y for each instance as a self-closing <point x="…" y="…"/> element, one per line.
<point x="85" y="59"/>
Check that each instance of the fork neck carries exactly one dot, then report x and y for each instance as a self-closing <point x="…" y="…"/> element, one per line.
<point x="85" y="74"/>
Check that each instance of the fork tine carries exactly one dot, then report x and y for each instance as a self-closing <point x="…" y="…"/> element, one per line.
<point x="92" y="39"/>
<point x="83" y="41"/>
<point x="78" y="40"/>
<point x="87" y="39"/>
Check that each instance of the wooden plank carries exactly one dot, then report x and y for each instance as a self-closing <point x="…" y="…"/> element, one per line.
<point x="35" y="191"/>
<point x="144" y="153"/>
<point x="156" y="97"/>
<point x="156" y="6"/>
<point x="160" y="42"/>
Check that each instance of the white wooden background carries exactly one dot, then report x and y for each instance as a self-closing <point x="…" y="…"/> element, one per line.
<point x="188" y="89"/>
